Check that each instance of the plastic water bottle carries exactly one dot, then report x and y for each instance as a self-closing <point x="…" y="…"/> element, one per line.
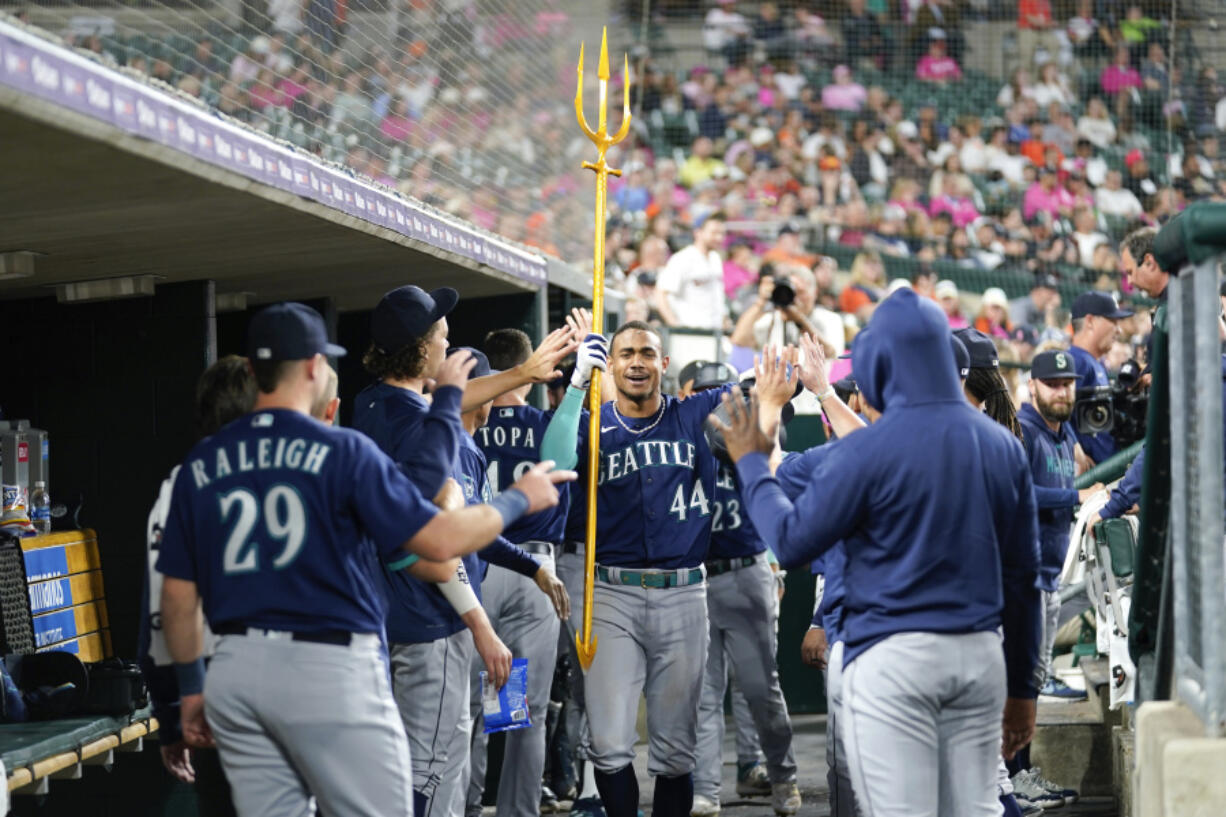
<point x="40" y="508"/>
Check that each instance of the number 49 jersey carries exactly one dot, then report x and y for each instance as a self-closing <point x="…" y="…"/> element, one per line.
<point x="655" y="489"/>
<point x="275" y="518"/>
<point x="511" y="441"/>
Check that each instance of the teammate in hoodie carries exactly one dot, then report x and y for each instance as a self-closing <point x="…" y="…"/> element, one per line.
<point x="940" y="533"/>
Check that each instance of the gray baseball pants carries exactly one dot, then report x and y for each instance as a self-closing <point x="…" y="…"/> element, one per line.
<point x="431" y="681"/>
<point x="748" y="747"/>
<point x="741" y="610"/>
<point x="1051" y="623"/>
<point x="526" y="622"/>
<point x="650" y="642"/>
<point x="921" y="721"/>
<point x="295" y="721"/>
<point x="838" y="776"/>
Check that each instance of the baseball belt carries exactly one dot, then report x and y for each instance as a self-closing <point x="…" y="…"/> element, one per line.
<point x="571" y="547"/>
<point x="340" y="638"/>
<point x="717" y="566"/>
<point x="537" y="548"/>
<point x="651" y="579"/>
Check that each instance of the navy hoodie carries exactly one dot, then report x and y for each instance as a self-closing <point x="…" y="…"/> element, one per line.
<point x="934" y="502"/>
<point x="1052" y="467"/>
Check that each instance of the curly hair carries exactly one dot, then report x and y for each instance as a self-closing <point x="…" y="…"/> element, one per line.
<point x="402" y="364"/>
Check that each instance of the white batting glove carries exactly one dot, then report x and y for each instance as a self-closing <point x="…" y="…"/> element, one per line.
<point x="593" y="354"/>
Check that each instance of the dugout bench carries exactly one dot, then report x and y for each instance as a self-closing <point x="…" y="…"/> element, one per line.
<point x="67" y="606"/>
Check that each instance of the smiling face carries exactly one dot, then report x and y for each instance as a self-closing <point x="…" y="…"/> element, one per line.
<point x="638" y="364"/>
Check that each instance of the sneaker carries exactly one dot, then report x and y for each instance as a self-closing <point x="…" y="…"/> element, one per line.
<point x="1069" y="796"/>
<point x="753" y="781"/>
<point x="549" y="801"/>
<point x="1026" y="790"/>
<point x="1028" y="808"/>
<point x="785" y="798"/>
<point x="1055" y="688"/>
<point x="587" y="807"/>
<point x="704" y="806"/>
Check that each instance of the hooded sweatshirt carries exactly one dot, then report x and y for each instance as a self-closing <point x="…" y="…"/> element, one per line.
<point x="1052" y="467"/>
<point x="934" y="502"/>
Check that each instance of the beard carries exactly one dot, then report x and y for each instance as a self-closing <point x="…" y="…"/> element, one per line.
<point x="1053" y="412"/>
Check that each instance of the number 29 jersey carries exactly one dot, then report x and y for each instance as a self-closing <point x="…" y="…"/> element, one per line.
<point x="274" y="518"/>
<point x="511" y="441"/>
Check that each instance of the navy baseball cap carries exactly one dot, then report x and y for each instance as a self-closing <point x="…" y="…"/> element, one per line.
<point x="1053" y="365"/>
<point x="962" y="358"/>
<point x="483" y="363"/>
<point x="980" y="347"/>
<point x="710" y="375"/>
<point x="846" y="384"/>
<point x="1025" y="334"/>
<point x="1099" y="303"/>
<point x="405" y="315"/>
<point x="289" y="331"/>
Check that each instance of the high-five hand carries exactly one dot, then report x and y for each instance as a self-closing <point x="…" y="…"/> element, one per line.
<point x="741" y="433"/>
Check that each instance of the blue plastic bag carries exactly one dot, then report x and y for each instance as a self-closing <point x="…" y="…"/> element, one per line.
<point x="507" y="708"/>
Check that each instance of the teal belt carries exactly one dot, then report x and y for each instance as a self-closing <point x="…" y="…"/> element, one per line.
<point x="657" y="580"/>
<point x="718" y="566"/>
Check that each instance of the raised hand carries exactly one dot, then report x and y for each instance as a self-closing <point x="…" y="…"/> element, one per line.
<point x="741" y="433"/>
<point x="455" y="369"/>
<point x="593" y="355"/>
<point x="542" y="365"/>
<point x="813" y="365"/>
<point x="579" y="322"/>
<point x="776" y="374"/>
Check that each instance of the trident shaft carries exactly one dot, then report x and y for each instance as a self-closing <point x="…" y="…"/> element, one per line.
<point x="585" y="641"/>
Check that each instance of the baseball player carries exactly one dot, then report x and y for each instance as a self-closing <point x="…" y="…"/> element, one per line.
<point x="430" y="650"/>
<point x="649" y="616"/>
<point x="509" y="434"/>
<point x="225" y="392"/>
<point x="742" y="610"/>
<point x="936" y="509"/>
<point x="270" y="522"/>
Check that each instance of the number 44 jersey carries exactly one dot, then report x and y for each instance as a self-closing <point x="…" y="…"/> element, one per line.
<point x="275" y="518"/>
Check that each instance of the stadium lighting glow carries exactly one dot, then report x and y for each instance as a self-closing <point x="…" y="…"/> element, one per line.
<point x="17" y="264"/>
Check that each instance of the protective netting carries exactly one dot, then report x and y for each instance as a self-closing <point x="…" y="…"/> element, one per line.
<point x="993" y="154"/>
<point x="464" y="105"/>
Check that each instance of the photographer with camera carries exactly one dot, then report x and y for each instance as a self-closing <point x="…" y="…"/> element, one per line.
<point x="1096" y="318"/>
<point x="785" y="309"/>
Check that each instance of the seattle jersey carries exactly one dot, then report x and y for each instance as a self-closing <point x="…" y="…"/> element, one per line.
<point x="275" y="516"/>
<point x="655" y="488"/>
<point x="732" y="533"/>
<point x="511" y="441"/>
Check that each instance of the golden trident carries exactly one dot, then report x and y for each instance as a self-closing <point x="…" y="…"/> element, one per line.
<point x="584" y="639"/>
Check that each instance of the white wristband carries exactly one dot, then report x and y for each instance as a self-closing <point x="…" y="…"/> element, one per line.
<point x="826" y="394"/>
<point x="459" y="593"/>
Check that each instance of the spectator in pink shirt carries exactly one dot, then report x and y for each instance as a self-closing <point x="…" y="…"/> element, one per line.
<point x="397" y="125"/>
<point x="738" y="268"/>
<point x="1046" y="195"/>
<point x="844" y="94"/>
<point x="1119" y="76"/>
<point x="952" y="200"/>
<point x="262" y="93"/>
<point x="936" y="65"/>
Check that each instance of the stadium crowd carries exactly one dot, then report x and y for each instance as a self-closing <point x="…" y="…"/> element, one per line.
<point x="863" y="132"/>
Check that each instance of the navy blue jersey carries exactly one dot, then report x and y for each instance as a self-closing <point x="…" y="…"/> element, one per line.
<point x="655" y="489"/>
<point x="732" y="533"/>
<point x="472" y="476"/>
<point x="1052" y="467"/>
<point x="423" y="437"/>
<point x="511" y="440"/>
<point x="275" y="518"/>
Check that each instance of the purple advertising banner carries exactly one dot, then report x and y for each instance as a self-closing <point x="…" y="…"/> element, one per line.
<point x="36" y="66"/>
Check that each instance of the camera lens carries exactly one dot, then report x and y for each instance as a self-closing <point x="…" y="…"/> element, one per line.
<point x="783" y="295"/>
